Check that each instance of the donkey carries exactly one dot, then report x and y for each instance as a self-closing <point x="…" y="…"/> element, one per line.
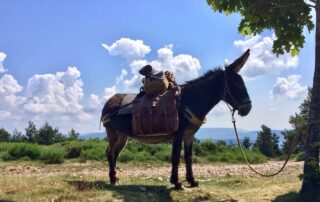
<point x="197" y="98"/>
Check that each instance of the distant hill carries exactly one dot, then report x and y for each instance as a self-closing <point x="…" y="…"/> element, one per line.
<point x="215" y="134"/>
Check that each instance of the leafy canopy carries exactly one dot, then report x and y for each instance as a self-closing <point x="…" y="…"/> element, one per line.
<point x="286" y="17"/>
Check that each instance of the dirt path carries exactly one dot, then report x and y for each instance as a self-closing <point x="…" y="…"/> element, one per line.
<point x="148" y="171"/>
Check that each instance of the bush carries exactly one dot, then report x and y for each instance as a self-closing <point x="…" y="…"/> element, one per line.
<point x="52" y="156"/>
<point x="96" y="153"/>
<point x="76" y="149"/>
<point x="20" y="150"/>
<point x="126" y="156"/>
<point x="163" y="155"/>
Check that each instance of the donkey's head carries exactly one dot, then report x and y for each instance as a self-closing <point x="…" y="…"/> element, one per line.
<point x="235" y="91"/>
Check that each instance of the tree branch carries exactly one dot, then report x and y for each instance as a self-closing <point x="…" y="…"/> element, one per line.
<point x="312" y="6"/>
<point x="295" y="4"/>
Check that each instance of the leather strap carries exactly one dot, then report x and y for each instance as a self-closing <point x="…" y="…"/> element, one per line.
<point x="193" y="118"/>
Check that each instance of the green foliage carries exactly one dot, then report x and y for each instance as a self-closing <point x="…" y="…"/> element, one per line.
<point x="267" y="142"/>
<point x="52" y="156"/>
<point x="126" y="156"/>
<point x="74" y="149"/>
<point x="48" y="135"/>
<point x="31" y="132"/>
<point x="17" y="136"/>
<point x="299" y="123"/>
<point x="4" y="135"/>
<point x="205" y="151"/>
<point x="231" y="154"/>
<point x="96" y="153"/>
<point x="21" y="150"/>
<point x="246" y="142"/>
<point x="73" y="135"/>
<point x="286" y="17"/>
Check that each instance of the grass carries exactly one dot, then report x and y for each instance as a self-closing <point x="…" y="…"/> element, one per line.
<point x="88" y="182"/>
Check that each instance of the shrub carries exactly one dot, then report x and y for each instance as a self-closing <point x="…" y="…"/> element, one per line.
<point x="208" y="146"/>
<point x="126" y="156"/>
<point x="96" y="153"/>
<point x="52" y="156"/>
<point x="20" y="150"/>
<point x="76" y="149"/>
<point x="163" y="155"/>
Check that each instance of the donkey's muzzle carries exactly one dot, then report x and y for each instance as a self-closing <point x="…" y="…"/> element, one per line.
<point x="244" y="108"/>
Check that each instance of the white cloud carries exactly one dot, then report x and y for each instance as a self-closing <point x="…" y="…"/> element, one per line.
<point x="121" y="76"/>
<point x="9" y="86"/>
<point x="184" y="66"/>
<point x="289" y="88"/>
<point x="109" y="92"/>
<point x="262" y="61"/>
<point x="56" y="95"/>
<point x="128" y="48"/>
<point x="94" y="101"/>
<point x="2" y="58"/>
<point x="220" y="109"/>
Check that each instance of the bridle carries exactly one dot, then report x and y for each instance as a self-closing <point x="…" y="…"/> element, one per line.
<point x="226" y="91"/>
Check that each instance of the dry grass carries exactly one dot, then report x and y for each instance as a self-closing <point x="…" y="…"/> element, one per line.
<point x="88" y="182"/>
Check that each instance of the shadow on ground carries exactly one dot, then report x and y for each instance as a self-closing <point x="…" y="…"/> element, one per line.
<point x="126" y="192"/>
<point x="296" y="197"/>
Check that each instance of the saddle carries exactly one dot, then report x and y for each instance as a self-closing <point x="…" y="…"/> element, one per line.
<point x="153" y="115"/>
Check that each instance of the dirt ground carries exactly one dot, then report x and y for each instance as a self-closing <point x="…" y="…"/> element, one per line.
<point x="148" y="170"/>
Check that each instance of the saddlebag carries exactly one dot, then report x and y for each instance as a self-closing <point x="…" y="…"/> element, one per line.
<point x="155" y="114"/>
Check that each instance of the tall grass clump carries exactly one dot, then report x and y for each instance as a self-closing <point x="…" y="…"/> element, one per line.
<point x="22" y="150"/>
<point x="52" y="156"/>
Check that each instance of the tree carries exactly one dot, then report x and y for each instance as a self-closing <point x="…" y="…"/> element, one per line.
<point x="299" y="123"/>
<point x="73" y="135"/>
<point x="246" y="142"/>
<point x="4" y="135"/>
<point x="31" y="132"/>
<point x="48" y="135"/>
<point x="287" y="18"/>
<point x="275" y="145"/>
<point x="17" y="136"/>
<point x="264" y="141"/>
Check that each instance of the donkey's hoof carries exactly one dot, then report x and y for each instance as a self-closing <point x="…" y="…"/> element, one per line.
<point x="194" y="184"/>
<point x="179" y="186"/>
<point x="114" y="180"/>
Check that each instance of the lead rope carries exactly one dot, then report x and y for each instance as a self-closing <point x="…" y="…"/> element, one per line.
<point x="245" y="157"/>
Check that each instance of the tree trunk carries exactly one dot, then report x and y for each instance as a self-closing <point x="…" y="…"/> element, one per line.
<point x="311" y="181"/>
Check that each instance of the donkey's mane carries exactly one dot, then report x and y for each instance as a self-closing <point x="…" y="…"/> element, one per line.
<point x="206" y="76"/>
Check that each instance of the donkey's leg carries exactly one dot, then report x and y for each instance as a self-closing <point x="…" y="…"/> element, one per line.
<point x="188" y="151"/>
<point x="116" y="143"/>
<point x="175" y="160"/>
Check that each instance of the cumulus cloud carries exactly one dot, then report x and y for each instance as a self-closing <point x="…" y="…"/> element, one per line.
<point x="121" y="76"/>
<point x="109" y="92"/>
<point x="184" y="66"/>
<point x="220" y="109"/>
<point x="128" y="48"/>
<point x="9" y="88"/>
<point x="289" y="88"/>
<point x="8" y="85"/>
<point x="262" y="61"/>
<point x="94" y="101"/>
<point x="56" y="94"/>
<point x="2" y="58"/>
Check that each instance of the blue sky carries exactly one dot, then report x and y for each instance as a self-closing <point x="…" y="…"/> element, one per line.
<point x="61" y="60"/>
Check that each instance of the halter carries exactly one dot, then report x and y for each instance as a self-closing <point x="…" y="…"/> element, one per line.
<point x="226" y="91"/>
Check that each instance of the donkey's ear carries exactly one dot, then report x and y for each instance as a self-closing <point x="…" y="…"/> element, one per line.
<point x="238" y="63"/>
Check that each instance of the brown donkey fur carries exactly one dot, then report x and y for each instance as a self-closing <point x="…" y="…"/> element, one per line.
<point x="200" y="96"/>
